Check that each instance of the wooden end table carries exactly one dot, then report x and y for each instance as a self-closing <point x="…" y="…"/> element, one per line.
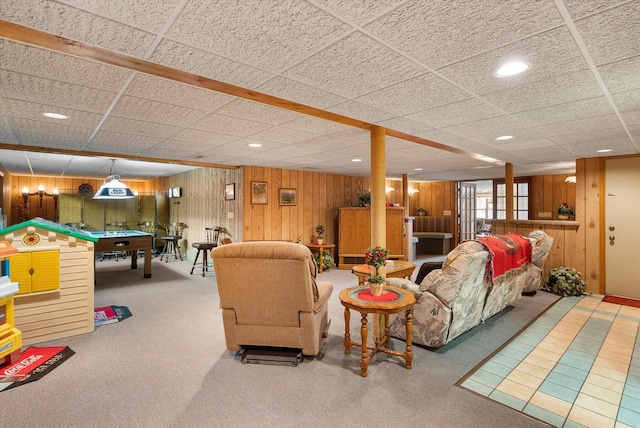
<point x="400" y="269"/>
<point x="320" y="248"/>
<point x="357" y="298"/>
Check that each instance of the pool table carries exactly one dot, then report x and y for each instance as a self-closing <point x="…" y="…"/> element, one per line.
<point x="127" y="240"/>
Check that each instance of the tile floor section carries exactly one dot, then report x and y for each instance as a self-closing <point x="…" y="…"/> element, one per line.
<point x="576" y="365"/>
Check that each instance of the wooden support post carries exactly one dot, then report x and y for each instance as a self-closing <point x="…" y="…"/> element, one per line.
<point x="378" y="206"/>
<point x="508" y="181"/>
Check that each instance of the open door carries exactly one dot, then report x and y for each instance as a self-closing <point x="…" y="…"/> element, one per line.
<point x="467" y="210"/>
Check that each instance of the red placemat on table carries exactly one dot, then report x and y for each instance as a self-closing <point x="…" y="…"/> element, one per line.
<point x="386" y="296"/>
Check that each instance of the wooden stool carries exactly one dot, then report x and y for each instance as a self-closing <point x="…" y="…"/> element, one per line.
<point x="171" y="241"/>
<point x="212" y="242"/>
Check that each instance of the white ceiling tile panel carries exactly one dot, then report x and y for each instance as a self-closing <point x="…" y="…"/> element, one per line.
<point x="75" y="24"/>
<point x="268" y="35"/>
<point x="53" y="93"/>
<point x="34" y="111"/>
<point x="549" y="153"/>
<point x="591" y="135"/>
<point x="512" y="146"/>
<point x="6" y="135"/>
<point x="68" y="140"/>
<point x="154" y="111"/>
<point x="183" y="57"/>
<point x="415" y="94"/>
<point x="621" y="76"/>
<point x="589" y="148"/>
<point x="16" y="160"/>
<point x="578" y="126"/>
<point x="441" y="32"/>
<point x="229" y="125"/>
<point x="327" y="143"/>
<point x="546" y="53"/>
<point x="357" y="110"/>
<point x="438" y="136"/>
<point x="284" y="135"/>
<point x="465" y="111"/>
<point x="147" y="15"/>
<point x="179" y="151"/>
<point x="612" y="35"/>
<point x="635" y="133"/>
<point x="542" y="93"/>
<point x="632" y="118"/>
<point x="518" y="134"/>
<point x="358" y="12"/>
<point x="50" y="65"/>
<point x="257" y="112"/>
<point x="179" y="145"/>
<point x="492" y="127"/>
<point x="212" y="139"/>
<point x="354" y="66"/>
<point x="353" y="134"/>
<point x="566" y="112"/>
<point x="581" y="8"/>
<point x="170" y="92"/>
<point x="287" y="152"/>
<point x="626" y="101"/>
<point x="316" y="126"/>
<point x="403" y="124"/>
<point x="50" y="127"/>
<point x="298" y="92"/>
<point x="137" y="127"/>
<point x="114" y="142"/>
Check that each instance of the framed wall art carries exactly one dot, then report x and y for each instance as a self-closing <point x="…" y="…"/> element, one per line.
<point x="288" y="197"/>
<point x="230" y="192"/>
<point x="258" y="192"/>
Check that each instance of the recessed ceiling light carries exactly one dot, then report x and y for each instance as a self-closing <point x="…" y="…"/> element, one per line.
<point x="511" y="69"/>
<point x="356" y="160"/>
<point x="254" y="145"/>
<point x="417" y="169"/>
<point x="55" y="115"/>
<point x="604" y="151"/>
<point x="504" y="137"/>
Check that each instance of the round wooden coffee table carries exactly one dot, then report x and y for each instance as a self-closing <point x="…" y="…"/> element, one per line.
<point x="399" y="269"/>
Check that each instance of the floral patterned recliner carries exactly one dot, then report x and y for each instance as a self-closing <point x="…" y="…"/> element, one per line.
<point x="456" y="298"/>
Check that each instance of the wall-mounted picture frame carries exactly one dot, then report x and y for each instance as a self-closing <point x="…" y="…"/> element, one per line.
<point x="288" y="197"/>
<point x="230" y="191"/>
<point x="258" y="192"/>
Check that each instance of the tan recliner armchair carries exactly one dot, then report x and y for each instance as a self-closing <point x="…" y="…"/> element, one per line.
<point x="269" y="296"/>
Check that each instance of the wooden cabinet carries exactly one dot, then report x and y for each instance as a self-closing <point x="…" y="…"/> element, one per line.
<point x="36" y="271"/>
<point x="354" y="234"/>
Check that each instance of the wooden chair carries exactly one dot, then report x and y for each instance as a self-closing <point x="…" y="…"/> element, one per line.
<point x="172" y="241"/>
<point x="114" y="227"/>
<point x="152" y="228"/>
<point x="212" y="234"/>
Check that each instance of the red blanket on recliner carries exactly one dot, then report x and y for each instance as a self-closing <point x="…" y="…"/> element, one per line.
<point x="506" y="253"/>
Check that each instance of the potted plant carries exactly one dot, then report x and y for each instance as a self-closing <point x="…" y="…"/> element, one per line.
<point x="564" y="211"/>
<point x="375" y="258"/>
<point x="320" y="233"/>
<point x="421" y="211"/>
<point x="327" y="260"/>
<point x="364" y="198"/>
<point x="565" y="282"/>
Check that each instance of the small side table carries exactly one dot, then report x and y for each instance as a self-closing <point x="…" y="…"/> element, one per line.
<point x="399" y="269"/>
<point x="392" y="301"/>
<point x="321" y="248"/>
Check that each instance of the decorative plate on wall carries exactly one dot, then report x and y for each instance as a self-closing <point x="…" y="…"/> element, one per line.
<point x="85" y="188"/>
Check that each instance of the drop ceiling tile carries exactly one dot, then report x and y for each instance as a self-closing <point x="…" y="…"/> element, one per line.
<point x="551" y="153"/>
<point x="198" y="136"/>
<point x="53" y="93"/>
<point x="327" y="143"/>
<point x="153" y="111"/>
<point x="229" y="125"/>
<point x="546" y="53"/>
<point x="137" y="127"/>
<point x="357" y="110"/>
<point x="581" y="8"/>
<point x="519" y="134"/>
<point x="284" y="135"/>
<point x="356" y="135"/>
<point x="53" y="128"/>
<point x="543" y="93"/>
<point x="578" y="126"/>
<point x="186" y="152"/>
<point x="613" y="34"/>
<point x="566" y="112"/>
<point x="513" y="146"/>
<point x="261" y="34"/>
<point x="591" y="135"/>
<point x="405" y="125"/>
<point x="115" y="142"/>
<point x="358" y="12"/>
<point x="6" y="134"/>
<point x="490" y="128"/>
<point x="316" y="126"/>
<point x="459" y="112"/>
<point x="66" y="140"/>
<point x="353" y="66"/>
<point x="415" y="94"/>
<point x="438" y="136"/>
<point x="178" y="145"/>
<point x="635" y="133"/>
<point x="50" y="65"/>
<point x="589" y="149"/>
<point x="257" y="112"/>
<point x="170" y="92"/>
<point x="33" y="111"/>
<point x="66" y="21"/>
<point x="440" y="32"/>
<point x="287" y="152"/>
<point x="631" y="118"/>
<point x="626" y="101"/>
<point x="201" y="63"/>
<point x="622" y="75"/>
<point x="147" y="15"/>
<point x="300" y="93"/>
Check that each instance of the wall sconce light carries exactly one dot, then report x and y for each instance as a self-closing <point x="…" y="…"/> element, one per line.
<point x="390" y="189"/>
<point x="570" y="179"/>
<point x="41" y="194"/>
<point x="413" y="191"/>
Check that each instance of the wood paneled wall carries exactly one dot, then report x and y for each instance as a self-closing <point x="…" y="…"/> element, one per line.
<point x="548" y="192"/>
<point x="319" y="197"/>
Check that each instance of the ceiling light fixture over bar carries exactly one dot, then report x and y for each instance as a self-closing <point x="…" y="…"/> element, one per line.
<point x="113" y="188"/>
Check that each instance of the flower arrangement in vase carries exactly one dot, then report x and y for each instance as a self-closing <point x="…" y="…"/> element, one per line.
<point x="375" y="258"/>
<point x="564" y="211"/>
<point x="320" y="232"/>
